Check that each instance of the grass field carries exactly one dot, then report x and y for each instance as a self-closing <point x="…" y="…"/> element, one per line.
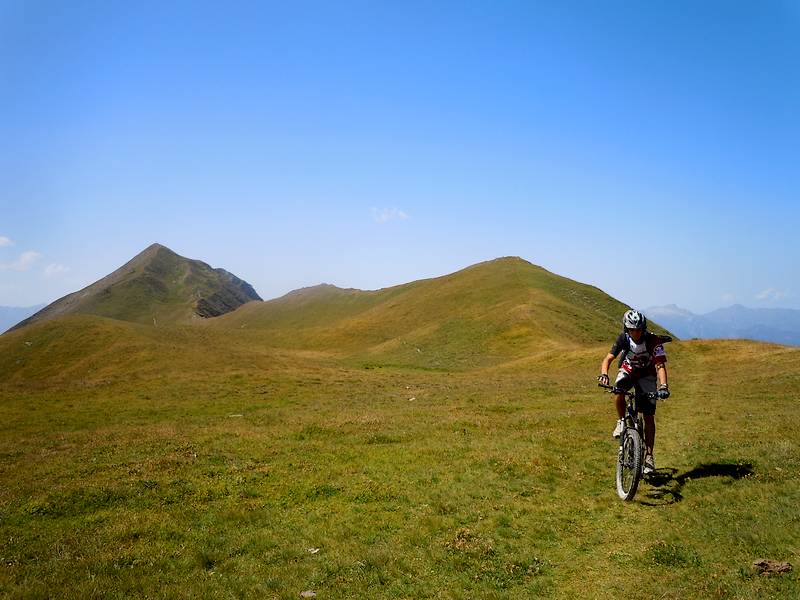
<point x="151" y="479"/>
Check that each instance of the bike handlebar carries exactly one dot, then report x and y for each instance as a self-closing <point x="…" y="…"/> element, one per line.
<point x="615" y="390"/>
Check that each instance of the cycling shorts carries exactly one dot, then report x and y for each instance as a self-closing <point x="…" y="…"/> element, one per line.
<point x="646" y="384"/>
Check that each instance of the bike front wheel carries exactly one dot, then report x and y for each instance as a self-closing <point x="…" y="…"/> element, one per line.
<point x="629" y="464"/>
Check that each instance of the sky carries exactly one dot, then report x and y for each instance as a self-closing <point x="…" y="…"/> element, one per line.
<point x="649" y="148"/>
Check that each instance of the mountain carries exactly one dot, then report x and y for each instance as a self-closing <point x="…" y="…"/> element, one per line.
<point x="679" y="320"/>
<point x="777" y="325"/>
<point x="495" y="312"/>
<point x="9" y="315"/>
<point x="487" y="313"/>
<point x="156" y="287"/>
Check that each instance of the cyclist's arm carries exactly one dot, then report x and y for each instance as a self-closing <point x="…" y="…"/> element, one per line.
<point x="661" y="373"/>
<point x="606" y="363"/>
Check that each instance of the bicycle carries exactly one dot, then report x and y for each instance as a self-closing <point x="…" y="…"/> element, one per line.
<point x="630" y="460"/>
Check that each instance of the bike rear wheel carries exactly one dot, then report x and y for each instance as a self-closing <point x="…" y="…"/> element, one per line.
<point x="629" y="464"/>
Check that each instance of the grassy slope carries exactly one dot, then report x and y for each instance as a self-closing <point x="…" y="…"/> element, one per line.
<point x="197" y="462"/>
<point x="486" y="314"/>
<point x="100" y="351"/>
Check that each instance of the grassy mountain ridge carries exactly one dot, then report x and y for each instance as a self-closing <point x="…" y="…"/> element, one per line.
<point x="484" y="314"/>
<point x="156" y="287"/>
<point x="488" y="314"/>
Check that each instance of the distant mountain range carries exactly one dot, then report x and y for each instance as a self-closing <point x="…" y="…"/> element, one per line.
<point x="11" y="315"/>
<point x="156" y="287"/>
<point x="777" y="325"/>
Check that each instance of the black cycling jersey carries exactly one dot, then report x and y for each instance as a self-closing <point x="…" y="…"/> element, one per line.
<point x="642" y="358"/>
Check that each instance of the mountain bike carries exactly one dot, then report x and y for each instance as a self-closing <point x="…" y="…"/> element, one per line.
<point x="630" y="460"/>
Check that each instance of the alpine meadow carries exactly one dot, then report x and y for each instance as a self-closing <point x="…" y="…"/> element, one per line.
<point x="168" y="434"/>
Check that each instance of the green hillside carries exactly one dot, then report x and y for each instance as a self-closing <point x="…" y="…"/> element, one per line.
<point x="485" y="314"/>
<point x="157" y="287"/>
<point x="95" y="350"/>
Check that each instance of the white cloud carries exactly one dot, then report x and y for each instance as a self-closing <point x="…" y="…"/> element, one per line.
<point x="4" y="241"/>
<point x="25" y="261"/>
<point x="771" y="294"/>
<point x="384" y="215"/>
<point x="54" y="270"/>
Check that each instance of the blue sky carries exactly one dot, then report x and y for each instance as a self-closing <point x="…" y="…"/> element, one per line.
<point x="648" y="148"/>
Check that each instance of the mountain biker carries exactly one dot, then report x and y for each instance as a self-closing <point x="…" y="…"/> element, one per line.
<point x="642" y="362"/>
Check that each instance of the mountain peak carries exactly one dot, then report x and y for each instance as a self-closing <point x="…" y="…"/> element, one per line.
<point x="155" y="287"/>
<point x="152" y="250"/>
<point x="507" y="260"/>
<point x="146" y="256"/>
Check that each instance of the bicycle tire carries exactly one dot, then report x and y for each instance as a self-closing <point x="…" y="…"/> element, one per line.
<point x="629" y="464"/>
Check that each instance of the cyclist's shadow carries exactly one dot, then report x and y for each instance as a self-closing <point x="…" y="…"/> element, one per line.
<point x="667" y="487"/>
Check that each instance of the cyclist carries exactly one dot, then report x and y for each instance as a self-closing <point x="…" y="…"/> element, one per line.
<point x="643" y="361"/>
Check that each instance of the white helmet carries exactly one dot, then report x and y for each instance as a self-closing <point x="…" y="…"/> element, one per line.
<point x="633" y="319"/>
